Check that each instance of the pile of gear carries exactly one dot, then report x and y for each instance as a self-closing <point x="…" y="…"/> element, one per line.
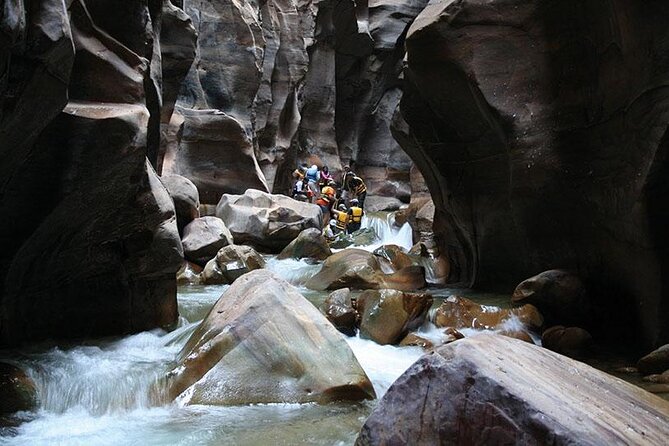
<point x="341" y="203"/>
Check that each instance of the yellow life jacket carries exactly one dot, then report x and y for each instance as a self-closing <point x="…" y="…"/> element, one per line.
<point x="342" y="220"/>
<point x="356" y="214"/>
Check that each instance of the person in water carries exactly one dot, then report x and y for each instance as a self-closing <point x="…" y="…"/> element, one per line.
<point x="313" y="177"/>
<point x="355" y="214"/>
<point x="341" y="218"/>
<point x="325" y="201"/>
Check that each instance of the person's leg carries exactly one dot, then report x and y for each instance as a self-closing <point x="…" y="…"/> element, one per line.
<point x="361" y="199"/>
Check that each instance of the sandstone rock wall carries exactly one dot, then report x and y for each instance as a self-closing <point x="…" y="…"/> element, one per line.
<point x="540" y="128"/>
<point x="88" y="233"/>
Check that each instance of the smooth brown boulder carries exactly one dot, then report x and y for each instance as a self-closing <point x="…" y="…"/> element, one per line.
<point x="17" y="390"/>
<point x="559" y="295"/>
<point x="386" y="316"/>
<point x="460" y="312"/>
<point x="309" y="244"/>
<point x="265" y="221"/>
<point x="263" y="342"/>
<point x="203" y="237"/>
<point x="490" y="389"/>
<point x="185" y="197"/>
<point x="656" y="361"/>
<point x="574" y="342"/>
<point x="521" y="335"/>
<point x="360" y="269"/>
<point x="394" y="257"/>
<point x="414" y="340"/>
<point x="230" y="263"/>
<point x="338" y="308"/>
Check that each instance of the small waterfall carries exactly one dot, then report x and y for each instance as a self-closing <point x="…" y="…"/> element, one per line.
<point x="295" y="272"/>
<point x="387" y="231"/>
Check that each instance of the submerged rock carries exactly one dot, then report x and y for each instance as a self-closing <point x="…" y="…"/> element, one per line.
<point x="309" y="244"/>
<point x="559" y="295"/>
<point x="360" y="269"/>
<point x="17" y="390"/>
<point x="263" y="342"/>
<point x="203" y="237"/>
<point x="656" y="361"/>
<point x="386" y="316"/>
<point x="265" y="221"/>
<point x="414" y="340"/>
<point x="490" y="389"/>
<point x="338" y="308"/>
<point x="394" y="257"/>
<point x="361" y="237"/>
<point x="460" y="312"/>
<point x="185" y="197"/>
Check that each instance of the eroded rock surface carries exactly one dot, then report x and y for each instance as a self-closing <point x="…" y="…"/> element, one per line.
<point x="493" y="389"/>
<point x="263" y="342"/>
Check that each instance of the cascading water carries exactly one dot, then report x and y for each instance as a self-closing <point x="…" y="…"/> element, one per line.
<point x="387" y="232"/>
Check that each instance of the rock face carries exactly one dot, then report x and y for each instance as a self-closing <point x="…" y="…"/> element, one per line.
<point x="356" y="268"/>
<point x="491" y="389"/>
<point x="203" y="237"/>
<point x="528" y="151"/>
<point x="267" y="222"/>
<point x="80" y="113"/>
<point x="386" y="316"/>
<point x="263" y="342"/>
<point x="559" y="295"/>
<point x="459" y="312"/>
<point x="185" y="197"/>
<point x="309" y="244"/>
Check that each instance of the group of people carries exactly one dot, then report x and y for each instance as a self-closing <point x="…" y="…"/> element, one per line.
<point x="341" y="203"/>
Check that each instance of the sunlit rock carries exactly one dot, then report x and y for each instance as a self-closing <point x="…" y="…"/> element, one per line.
<point x="203" y="237"/>
<point x="265" y="221"/>
<point x="309" y="244"/>
<point x="490" y="389"/>
<point x="459" y="312"/>
<point x="263" y="342"/>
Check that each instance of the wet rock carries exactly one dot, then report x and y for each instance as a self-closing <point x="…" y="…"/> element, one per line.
<point x="460" y="312"/>
<point x="203" y="237"/>
<point x="359" y="269"/>
<point x="539" y="181"/>
<point x="212" y="274"/>
<point x="309" y="244"/>
<point x="414" y="340"/>
<point x="361" y="237"/>
<point x="188" y="273"/>
<point x="656" y="361"/>
<point x="237" y="260"/>
<point x="511" y="392"/>
<point x="574" y="342"/>
<point x="662" y="378"/>
<point x="394" y="256"/>
<point x="17" y="390"/>
<point x="265" y="221"/>
<point x="386" y="316"/>
<point x="559" y="295"/>
<point x="338" y="308"/>
<point x="263" y="342"/>
<point x="186" y="199"/>
<point x="455" y="334"/>
<point x="521" y="335"/>
<point x="626" y="370"/>
<point x="658" y="388"/>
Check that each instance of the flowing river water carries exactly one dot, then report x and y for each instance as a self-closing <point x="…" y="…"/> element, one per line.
<point x="103" y="392"/>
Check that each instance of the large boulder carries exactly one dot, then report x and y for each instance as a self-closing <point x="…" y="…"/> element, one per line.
<point x="185" y="196"/>
<point x="574" y="342"/>
<point x="534" y="158"/>
<point x="656" y="361"/>
<point x="394" y="257"/>
<point x="230" y="263"/>
<point x="460" y="312"/>
<point x="203" y="237"/>
<point x="386" y="316"/>
<point x="360" y="269"/>
<point x="265" y="221"/>
<point x="309" y="244"/>
<point x="338" y="308"/>
<point x="559" y="295"/>
<point x="491" y="389"/>
<point x="263" y="342"/>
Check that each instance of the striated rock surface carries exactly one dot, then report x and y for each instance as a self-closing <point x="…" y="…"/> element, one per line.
<point x="203" y="237"/>
<point x="386" y="316"/>
<point x="263" y="342"/>
<point x="491" y="389"/>
<point x="536" y="160"/>
<point x="360" y="269"/>
<point x="265" y="221"/>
